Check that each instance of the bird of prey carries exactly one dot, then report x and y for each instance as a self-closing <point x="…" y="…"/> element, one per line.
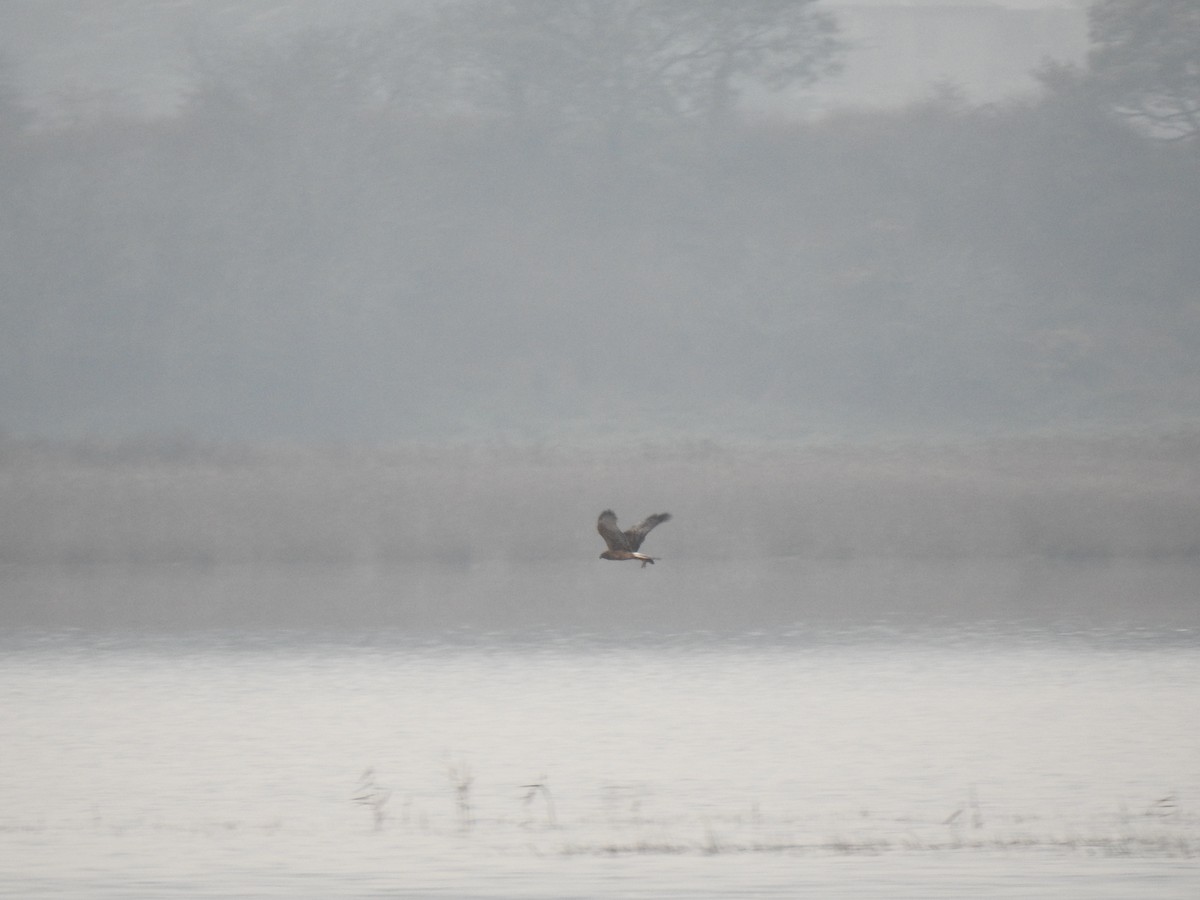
<point x="625" y="544"/>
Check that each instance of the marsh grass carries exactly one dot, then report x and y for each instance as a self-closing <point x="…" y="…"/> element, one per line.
<point x="1098" y="840"/>
<point x="539" y="789"/>
<point x="702" y="838"/>
<point x="497" y="821"/>
<point x="461" y="781"/>
<point x="503" y="823"/>
<point x="1165" y="846"/>
<point x="374" y="796"/>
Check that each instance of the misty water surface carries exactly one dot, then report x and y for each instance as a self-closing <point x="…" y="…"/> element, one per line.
<point x="988" y="761"/>
<point x="853" y="728"/>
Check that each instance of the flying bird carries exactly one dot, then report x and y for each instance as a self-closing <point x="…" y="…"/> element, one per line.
<point x="625" y="544"/>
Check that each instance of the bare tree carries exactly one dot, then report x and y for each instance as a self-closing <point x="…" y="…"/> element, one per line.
<point x="613" y="68"/>
<point x="1146" y="62"/>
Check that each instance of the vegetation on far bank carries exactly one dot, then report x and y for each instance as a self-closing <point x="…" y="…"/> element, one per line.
<point x="184" y="502"/>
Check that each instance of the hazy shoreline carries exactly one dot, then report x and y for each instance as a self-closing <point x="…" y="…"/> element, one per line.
<point x="206" y="505"/>
<point x="1081" y="530"/>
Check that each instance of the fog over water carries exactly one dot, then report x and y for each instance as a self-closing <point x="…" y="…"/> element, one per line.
<point x="327" y="331"/>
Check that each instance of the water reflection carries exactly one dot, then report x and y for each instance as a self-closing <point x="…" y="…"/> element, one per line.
<point x="552" y="765"/>
<point x="728" y="599"/>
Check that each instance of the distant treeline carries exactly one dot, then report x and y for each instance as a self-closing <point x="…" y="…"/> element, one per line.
<point x="205" y="505"/>
<point x="325" y="243"/>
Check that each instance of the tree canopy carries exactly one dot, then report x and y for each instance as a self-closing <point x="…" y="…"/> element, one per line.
<point x="320" y="244"/>
<point x="1146" y="61"/>
<point x="613" y="67"/>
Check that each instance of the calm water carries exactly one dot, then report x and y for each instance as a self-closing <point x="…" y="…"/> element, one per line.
<point x="950" y="761"/>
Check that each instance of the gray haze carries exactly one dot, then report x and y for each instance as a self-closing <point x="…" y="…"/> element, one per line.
<point x="413" y="221"/>
<point x="406" y="293"/>
<point x="327" y="329"/>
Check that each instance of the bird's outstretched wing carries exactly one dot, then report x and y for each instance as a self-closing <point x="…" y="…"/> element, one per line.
<point x="607" y="526"/>
<point x="635" y="535"/>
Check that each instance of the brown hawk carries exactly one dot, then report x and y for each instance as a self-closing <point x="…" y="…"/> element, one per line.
<point x="624" y="544"/>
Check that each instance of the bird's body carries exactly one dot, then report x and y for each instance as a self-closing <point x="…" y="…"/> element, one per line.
<point x="625" y="544"/>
